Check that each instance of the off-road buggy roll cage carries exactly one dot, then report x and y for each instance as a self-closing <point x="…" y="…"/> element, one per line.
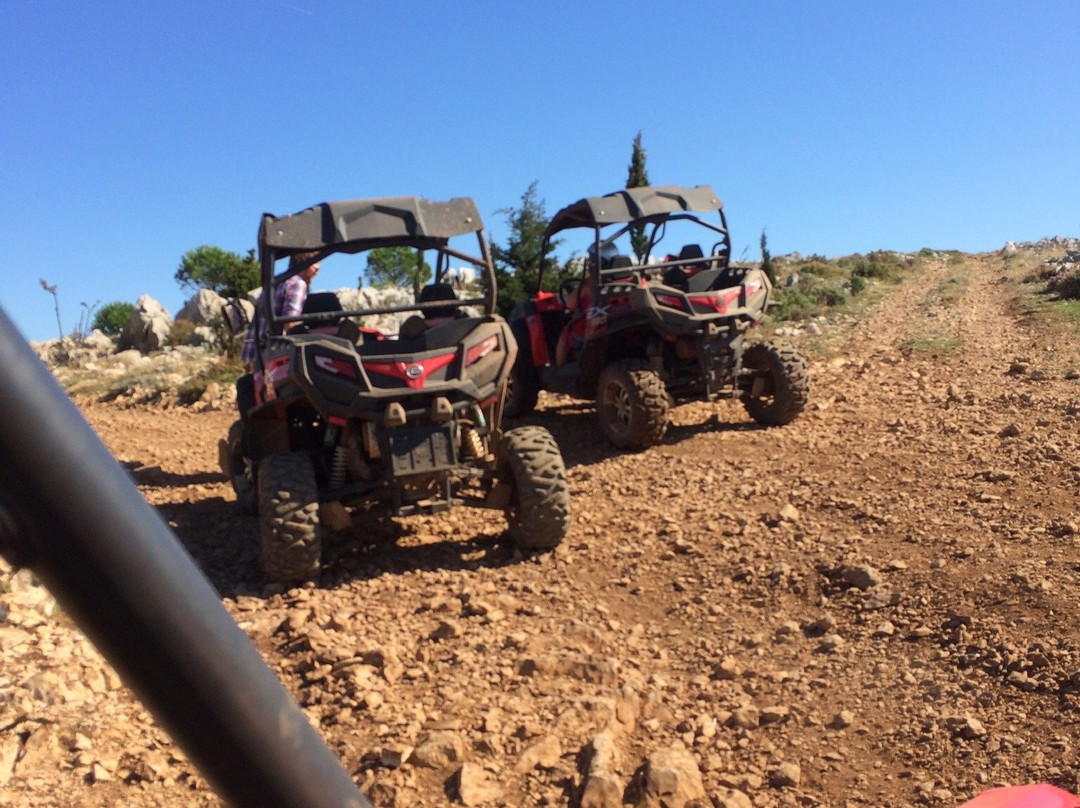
<point x="362" y="225"/>
<point x="650" y="209"/>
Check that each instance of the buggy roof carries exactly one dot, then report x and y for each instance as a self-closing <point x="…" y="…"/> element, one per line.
<point x="366" y="223"/>
<point x="632" y="204"/>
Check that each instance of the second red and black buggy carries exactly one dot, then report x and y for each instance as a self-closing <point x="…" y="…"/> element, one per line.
<point x="638" y="334"/>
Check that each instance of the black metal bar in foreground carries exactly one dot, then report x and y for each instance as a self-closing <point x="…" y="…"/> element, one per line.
<point x="70" y="512"/>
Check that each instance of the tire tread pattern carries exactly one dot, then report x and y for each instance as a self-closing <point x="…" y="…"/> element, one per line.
<point x="650" y="402"/>
<point x="289" y="517"/>
<point x="790" y="383"/>
<point x="539" y="518"/>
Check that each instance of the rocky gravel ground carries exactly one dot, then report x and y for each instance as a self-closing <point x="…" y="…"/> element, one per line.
<point x="876" y="605"/>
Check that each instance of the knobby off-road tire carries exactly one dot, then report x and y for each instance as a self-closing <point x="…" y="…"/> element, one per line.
<point x="632" y="404"/>
<point x="539" y="513"/>
<point x="238" y="469"/>
<point x="522" y="391"/>
<point x="780" y="387"/>
<point x="289" y="517"/>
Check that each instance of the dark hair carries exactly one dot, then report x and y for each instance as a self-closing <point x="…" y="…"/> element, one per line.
<point x="302" y="259"/>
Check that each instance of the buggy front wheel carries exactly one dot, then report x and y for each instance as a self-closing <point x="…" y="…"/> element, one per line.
<point x="539" y="513"/>
<point x="289" y="517"/>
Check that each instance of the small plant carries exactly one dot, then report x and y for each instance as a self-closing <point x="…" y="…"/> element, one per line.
<point x="949" y="291"/>
<point x="795" y="303"/>
<point x="51" y="289"/>
<point x="223" y="372"/>
<point x="82" y="330"/>
<point x="857" y="284"/>
<point x="934" y="344"/>
<point x="181" y="332"/>
<point x="816" y="265"/>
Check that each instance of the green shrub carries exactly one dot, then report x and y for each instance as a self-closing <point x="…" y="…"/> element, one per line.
<point x="858" y="284"/>
<point x="1068" y="286"/>
<point x="829" y="296"/>
<point x="224" y="373"/>
<point x="881" y="265"/>
<point x="181" y="332"/>
<point x="791" y="303"/>
<point x="112" y="317"/>
<point x="814" y="265"/>
<point x="810" y="297"/>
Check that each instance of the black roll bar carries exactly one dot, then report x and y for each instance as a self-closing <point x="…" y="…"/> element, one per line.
<point x="71" y="513"/>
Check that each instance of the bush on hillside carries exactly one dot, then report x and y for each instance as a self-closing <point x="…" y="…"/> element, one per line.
<point x="112" y="317"/>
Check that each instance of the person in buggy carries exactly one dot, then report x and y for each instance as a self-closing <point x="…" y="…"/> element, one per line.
<point x="289" y="299"/>
<point x="577" y="302"/>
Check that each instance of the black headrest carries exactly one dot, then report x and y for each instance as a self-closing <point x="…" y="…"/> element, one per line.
<point x="675" y="277"/>
<point x="438" y="291"/>
<point x="691" y="251"/>
<point x="322" y="303"/>
<point x="622" y="262"/>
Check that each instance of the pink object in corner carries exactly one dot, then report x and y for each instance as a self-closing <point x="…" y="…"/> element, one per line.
<point x="1034" y="796"/>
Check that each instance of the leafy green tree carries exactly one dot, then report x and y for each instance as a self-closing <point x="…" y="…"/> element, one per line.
<point x="112" y="317"/>
<point x="517" y="263"/>
<point x="397" y="266"/>
<point x="638" y="177"/>
<point x="221" y="271"/>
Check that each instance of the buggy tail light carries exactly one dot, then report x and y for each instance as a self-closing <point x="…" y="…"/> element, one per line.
<point x="718" y="302"/>
<point x="336" y="367"/>
<point x="481" y="349"/>
<point x="671" y="301"/>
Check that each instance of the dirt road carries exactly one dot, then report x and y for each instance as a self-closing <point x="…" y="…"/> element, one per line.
<point x="876" y="605"/>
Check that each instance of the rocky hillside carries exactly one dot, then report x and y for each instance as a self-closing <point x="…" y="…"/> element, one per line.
<point x="875" y="605"/>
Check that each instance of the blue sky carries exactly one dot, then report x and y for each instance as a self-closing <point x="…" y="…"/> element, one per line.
<point x="134" y="132"/>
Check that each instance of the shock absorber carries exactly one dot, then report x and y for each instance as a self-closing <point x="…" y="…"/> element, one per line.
<point x="338" y="458"/>
<point x="472" y="445"/>
<point x="338" y="465"/>
<point x="472" y="434"/>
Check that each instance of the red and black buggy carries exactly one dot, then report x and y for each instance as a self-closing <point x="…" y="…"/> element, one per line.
<point x="342" y="420"/>
<point x="649" y="332"/>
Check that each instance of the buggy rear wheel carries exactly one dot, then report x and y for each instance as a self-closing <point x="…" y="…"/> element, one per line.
<point x="289" y="517"/>
<point x="778" y="384"/>
<point x="238" y="468"/>
<point x="539" y="513"/>
<point x="632" y="404"/>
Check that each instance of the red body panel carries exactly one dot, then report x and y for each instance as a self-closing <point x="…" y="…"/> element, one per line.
<point x="421" y="370"/>
<point x="1032" y="796"/>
